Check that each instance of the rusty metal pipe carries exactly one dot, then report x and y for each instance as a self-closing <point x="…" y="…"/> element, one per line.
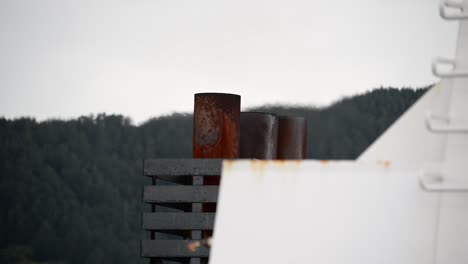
<point x="216" y="125"/>
<point x="216" y="131"/>
<point x="259" y="134"/>
<point x="292" y="138"/>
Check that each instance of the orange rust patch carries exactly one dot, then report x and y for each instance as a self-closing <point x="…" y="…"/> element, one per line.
<point x="297" y="162"/>
<point x="324" y="162"/>
<point x="227" y="165"/>
<point x="384" y="163"/>
<point x="280" y="163"/>
<point x="258" y="166"/>
<point x="286" y="163"/>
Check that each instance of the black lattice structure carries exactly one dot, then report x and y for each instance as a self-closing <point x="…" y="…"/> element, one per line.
<point x="176" y="196"/>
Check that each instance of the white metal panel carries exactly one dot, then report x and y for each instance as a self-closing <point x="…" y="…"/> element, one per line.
<point x="456" y="151"/>
<point x="452" y="237"/>
<point x="454" y="205"/>
<point x="409" y="137"/>
<point x="324" y="212"/>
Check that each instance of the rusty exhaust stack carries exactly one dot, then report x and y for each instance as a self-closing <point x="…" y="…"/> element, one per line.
<point x="292" y="138"/>
<point x="259" y="133"/>
<point x="216" y="125"/>
<point x="216" y="131"/>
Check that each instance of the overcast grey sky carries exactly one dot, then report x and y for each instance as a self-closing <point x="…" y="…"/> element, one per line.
<point x="63" y="58"/>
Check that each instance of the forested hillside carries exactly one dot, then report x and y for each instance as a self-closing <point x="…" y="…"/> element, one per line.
<point x="70" y="191"/>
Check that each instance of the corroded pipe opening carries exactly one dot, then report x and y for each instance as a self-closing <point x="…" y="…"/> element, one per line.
<point x="292" y="138"/>
<point x="259" y="133"/>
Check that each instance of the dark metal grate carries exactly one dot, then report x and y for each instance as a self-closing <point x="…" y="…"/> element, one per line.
<point x="176" y="196"/>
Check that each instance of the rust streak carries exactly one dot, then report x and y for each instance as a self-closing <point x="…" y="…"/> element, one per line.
<point x="384" y="163"/>
<point x="258" y="166"/>
<point x="324" y="162"/>
<point x="227" y="165"/>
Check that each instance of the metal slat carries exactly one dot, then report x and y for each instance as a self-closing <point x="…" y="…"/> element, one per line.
<point x="182" y="167"/>
<point x="171" y="248"/>
<point x="180" y="194"/>
<point x="196" y="208"/>
<point x="172" y="180"/>
<point x="178" y="221"/>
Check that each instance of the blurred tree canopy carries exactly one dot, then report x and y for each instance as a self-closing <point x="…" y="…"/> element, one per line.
<point x="70" y="191"/>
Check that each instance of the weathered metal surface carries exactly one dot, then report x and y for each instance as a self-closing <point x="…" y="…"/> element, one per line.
<point x="216" y="130"/>
<point x="171" y="248"/>
<point x="259" y="134"/>
<point x="335" y="212"/>
<point x="180" y="194"/>
<point x="292" y="138"/>
<point x="178" y="221"/>
<point x="216" y="126"/>
<point x="182" y="167"/>
<point x="216" y="135"/>
<point x="196" y="208"/>
<point x="171" y="207"/>
<point x="167" y="194"/>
